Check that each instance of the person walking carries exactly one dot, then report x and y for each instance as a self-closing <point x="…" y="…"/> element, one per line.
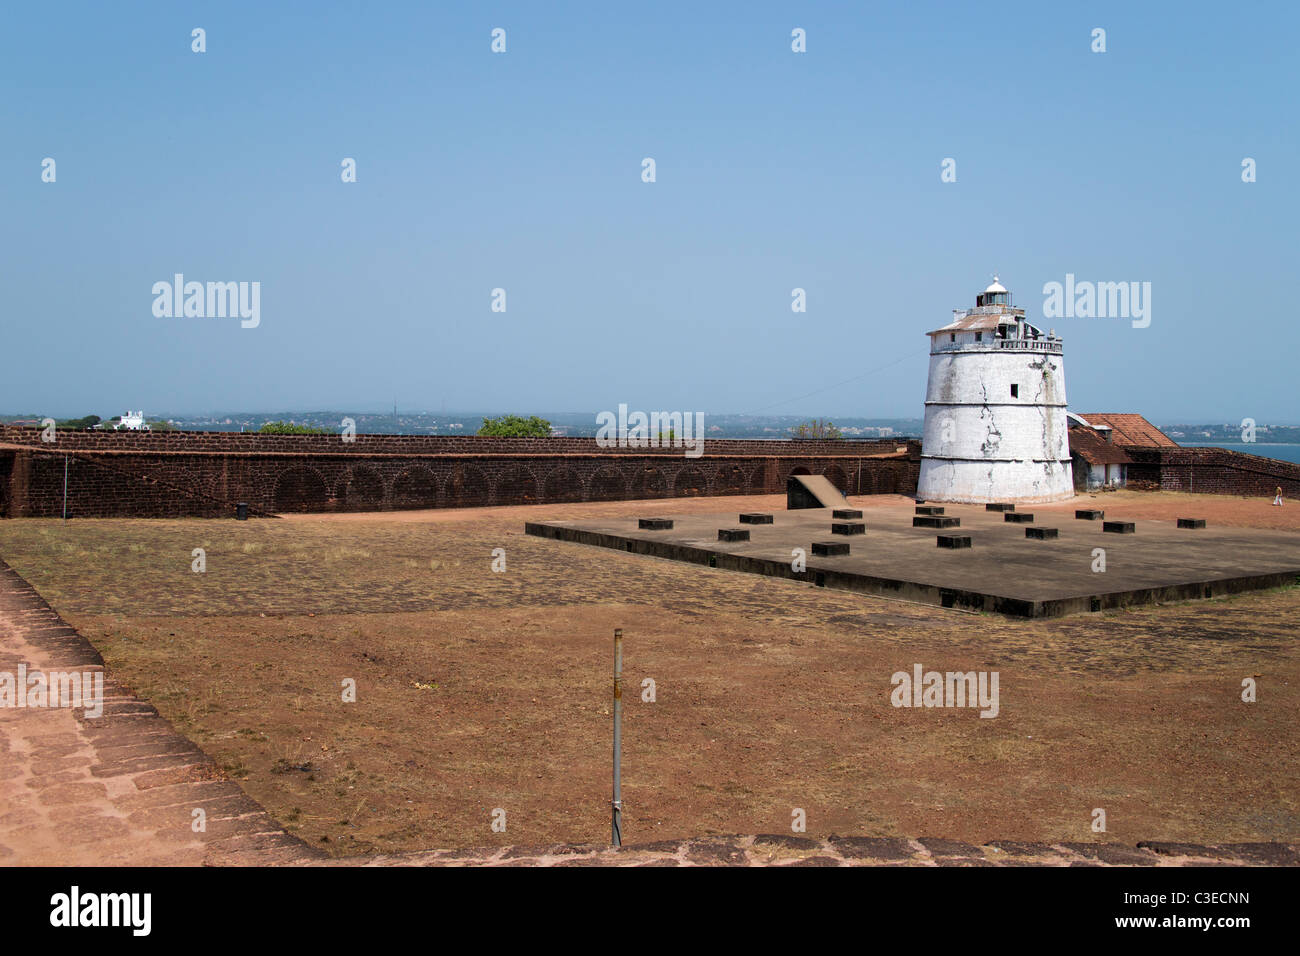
<point x="1277" y="498"/>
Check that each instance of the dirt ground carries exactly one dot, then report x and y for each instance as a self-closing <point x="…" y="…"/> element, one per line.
<point x="478" y="690"/>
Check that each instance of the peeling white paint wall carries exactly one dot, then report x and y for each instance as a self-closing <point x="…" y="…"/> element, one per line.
<point x="983" y="444"/>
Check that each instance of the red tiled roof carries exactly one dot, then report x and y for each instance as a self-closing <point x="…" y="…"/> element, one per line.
<point x="975" y="323"/>
<point x="1130" y="429"/>
<point x="1094" y="449"/>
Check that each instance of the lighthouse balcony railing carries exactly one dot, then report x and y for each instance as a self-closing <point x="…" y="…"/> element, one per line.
<point x="1039" y="345"/>
<point x="1023" y="345"/>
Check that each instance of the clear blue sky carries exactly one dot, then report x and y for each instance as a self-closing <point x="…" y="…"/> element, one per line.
<point x="523" y="171"/>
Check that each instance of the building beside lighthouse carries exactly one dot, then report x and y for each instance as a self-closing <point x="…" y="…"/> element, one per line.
<point x="995" y="413"/>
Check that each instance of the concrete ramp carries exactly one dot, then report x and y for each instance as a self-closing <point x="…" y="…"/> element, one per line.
<point x="812" y="491"/>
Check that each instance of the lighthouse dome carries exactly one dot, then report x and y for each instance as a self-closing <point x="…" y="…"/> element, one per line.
<point x="995" y="295"/>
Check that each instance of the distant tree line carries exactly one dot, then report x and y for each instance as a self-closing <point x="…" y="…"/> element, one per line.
<point x="815" y="428"/>
<point x="86" y="421"/>
<point x="515" y="426"/>
<point x="289" y="428"/>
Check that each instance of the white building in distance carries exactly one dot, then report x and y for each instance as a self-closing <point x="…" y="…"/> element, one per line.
<point x="995" y="413"/>
<point x="133" y="421"/>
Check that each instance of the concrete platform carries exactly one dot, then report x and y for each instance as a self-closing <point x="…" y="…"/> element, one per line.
<point x="1002" y="572"/>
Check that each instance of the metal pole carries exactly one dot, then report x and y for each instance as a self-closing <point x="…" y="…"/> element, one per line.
<point x="618" y="737"/>
<point x="65" y="487"/>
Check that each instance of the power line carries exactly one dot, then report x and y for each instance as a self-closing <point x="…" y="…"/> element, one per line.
<point x="827" y="388"/>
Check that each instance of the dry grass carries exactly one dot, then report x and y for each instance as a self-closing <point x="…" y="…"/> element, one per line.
<point x="478" y="690"/>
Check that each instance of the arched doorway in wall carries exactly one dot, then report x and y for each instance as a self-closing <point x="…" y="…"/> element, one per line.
<point x="563" y="484"/>
<point x="690" y="483"/>
<point x="468" y="486"/>
<point x="362" y="490"/>
<point x="416" y="487"/>
<point x="649" y="482"/>
<point x="730" y="480"/>
<point x="517" y="487"/>
<point x="608" y="485"/>
<point x="301" y="489"/>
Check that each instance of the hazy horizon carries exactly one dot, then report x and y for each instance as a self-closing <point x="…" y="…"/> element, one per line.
<point x="543" y="413"/>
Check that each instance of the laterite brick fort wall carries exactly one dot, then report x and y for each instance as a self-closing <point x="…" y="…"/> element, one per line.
<point x="1214" y="471"/>
<point x="167" y="474"/>
<point x="172" y="474"/>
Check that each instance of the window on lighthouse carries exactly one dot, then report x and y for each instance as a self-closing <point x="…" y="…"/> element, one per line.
<point x="1015" y="391"/>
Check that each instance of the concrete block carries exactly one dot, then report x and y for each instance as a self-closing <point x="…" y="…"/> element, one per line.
<point x="953" y="540"/>
<point x="846" y="513"/>
<point x="1191" y="522"/>
<point x="935" y="521"/>
<point x="1018" y="517"/>
<point x="929" y="509"/>
<point x="1118" y="527"/>
<point x="848" y="527"/>
<point x="733" y="534"/>
<point x="999" y="506"/>
<point x="1089" y="514"/>
<point x="655" y="524"/>
<point x="829" y="549"/>
<point x="754" y="518"/>
<point x="1042" y="534"/>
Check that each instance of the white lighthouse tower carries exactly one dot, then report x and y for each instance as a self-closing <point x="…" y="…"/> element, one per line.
<point x="995" y="422"/>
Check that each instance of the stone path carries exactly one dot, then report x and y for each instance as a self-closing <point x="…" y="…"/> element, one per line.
<point x="122" y="788"/>
<point x="780" y="850"/>
<point x="118" y="789"/>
